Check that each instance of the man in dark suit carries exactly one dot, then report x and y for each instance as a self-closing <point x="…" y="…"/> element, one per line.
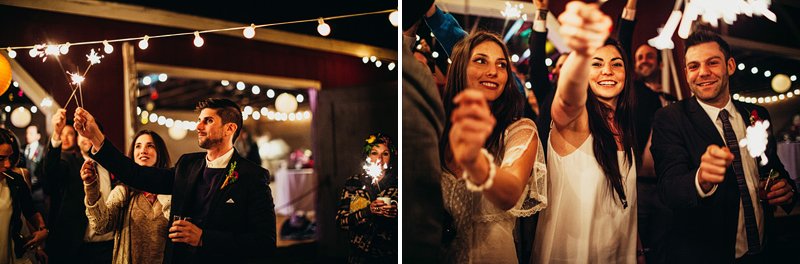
<point x="423" y="117"/>
<point x="712" y="189"/>
<point x="222" y="209"/>
<point x="34" y="154"/>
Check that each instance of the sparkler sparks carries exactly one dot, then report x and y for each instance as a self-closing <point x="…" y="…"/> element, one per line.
<point x="93" y="58"/>
<point x="374" y="169"/>
<point x="756" y="140"/>
<point x="514" y="12"/>
<point x="76" y="78"/>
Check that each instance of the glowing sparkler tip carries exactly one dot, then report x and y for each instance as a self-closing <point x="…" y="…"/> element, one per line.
<point x="93" y="57"/>
<point x="76" y="78"/>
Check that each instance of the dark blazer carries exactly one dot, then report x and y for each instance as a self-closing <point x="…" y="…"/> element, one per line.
<point x="68" y="220"/>
<point x="240" y="225"/>
<point x="423" y="117"/>
<point x="704" y="229"/>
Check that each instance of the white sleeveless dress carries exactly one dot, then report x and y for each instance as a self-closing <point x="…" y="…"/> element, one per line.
<point x="584" y="221"/>
<point x="485" y="233"/>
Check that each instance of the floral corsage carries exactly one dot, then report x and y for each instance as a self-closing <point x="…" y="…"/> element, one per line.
<point x="232" y="176"/>
<point x="754" y="117"/>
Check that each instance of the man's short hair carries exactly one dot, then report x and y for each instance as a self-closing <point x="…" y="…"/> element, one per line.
<point x="704" y="36"/>
<point x="227" y="110"/>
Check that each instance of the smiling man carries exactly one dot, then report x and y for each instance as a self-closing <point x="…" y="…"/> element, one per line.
<point x="704" y="176"/>
<point x="222" y="209"/>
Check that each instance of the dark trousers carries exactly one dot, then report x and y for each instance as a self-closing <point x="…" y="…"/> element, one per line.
<point x="96" y="252"/>
<point x="654" y="220"/>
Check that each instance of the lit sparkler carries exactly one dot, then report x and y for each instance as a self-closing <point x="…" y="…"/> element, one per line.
<point x="756" y="140"/>
<point x="374" y="169"/>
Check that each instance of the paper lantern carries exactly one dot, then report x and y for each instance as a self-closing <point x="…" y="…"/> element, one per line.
<point x="21" y="117"/>
<point x="781" y="83"/>
<point x="286" y="103"/>
<point x="5" y="74"/>
<point x="177" y="133"/>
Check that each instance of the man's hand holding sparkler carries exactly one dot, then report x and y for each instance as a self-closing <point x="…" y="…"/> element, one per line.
<point x="60" y="121"/>
<point x="87" y="127"/>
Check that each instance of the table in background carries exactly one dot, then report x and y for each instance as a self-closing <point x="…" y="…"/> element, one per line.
<point x="789" y="153"/>
<point x="290" y="186"/>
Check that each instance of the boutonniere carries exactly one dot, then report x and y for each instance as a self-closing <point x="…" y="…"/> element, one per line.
<point x="754" y="117"/>
<point x="232" y="176"/>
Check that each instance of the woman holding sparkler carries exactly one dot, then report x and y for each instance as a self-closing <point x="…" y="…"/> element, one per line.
<point x="368" y="205"/>
<point x="138" y="219"/>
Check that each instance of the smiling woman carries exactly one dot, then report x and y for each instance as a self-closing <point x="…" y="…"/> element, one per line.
<point x="492" y="158"/>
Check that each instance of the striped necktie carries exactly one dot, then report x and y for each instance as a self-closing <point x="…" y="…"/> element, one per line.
<point x="753" y="244"/>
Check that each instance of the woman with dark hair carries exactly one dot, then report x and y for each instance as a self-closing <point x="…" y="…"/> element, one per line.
<point x="138" y="219"/>
<point x="591" y="215"/>
<point x="368" y="204"/>
<point x="491" y="157"/>
<point x="15" y="201"/>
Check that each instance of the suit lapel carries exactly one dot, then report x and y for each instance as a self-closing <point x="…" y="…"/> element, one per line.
<point x="703" y="123"/>
<point x="194" y="171"/>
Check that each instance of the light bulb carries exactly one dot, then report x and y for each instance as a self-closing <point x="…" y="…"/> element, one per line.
<point x="299" y="98"/>
<point x="64" y="49"/>
<point x="11" y="53"/>
<point x="270" y="93"/>
<point x="240" y="86"/>
<point x="198" y="41"/>
<point x="434" y="54"/>
<point x="249" y="32"/>
<point x="162" y="77"/>
<point x="147" y="80"/>
<point x="378" y="64"/>
<point x="365" y="59"/>
<point x="256" y="89"/>
<point x="107" y="47"/>
<point x="323" y="28"/>
<point x="372" y="58"/>
<point x="225" y="82"/>
<point x="391" y="66"/>
<point x="741" y="66"/>
<point x="514" y="58"/>
<point x="143" y="43"/>
<point x="393" y="18"/>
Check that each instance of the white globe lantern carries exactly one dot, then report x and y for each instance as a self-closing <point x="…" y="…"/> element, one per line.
<point x="21" y="117"/>
<point x="781" y="83"/>
<point x="286" y="103"/>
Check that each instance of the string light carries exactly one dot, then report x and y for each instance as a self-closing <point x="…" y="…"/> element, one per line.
<point x="249" y="32"/>
<point x="162" y="77"/>
<point x="11" y="53"/>
<point x="225" y="82"/>
<point x="372" y="58"/>
<point x="514" y="58"/>
<point x="147" y="80"/>
<point x="378" y="64"/>
<point x="391" y="66"/>
<point x="323" y="28"/>
<point x="64" y="49"/>
<point x="365" y="59"/>
<point x="741" y="66"/>
<point x="394" y="18"/>
<point x="256" y="89"/>
<point x="300" y="98"/>
<point x="198" y="41"/>
<point x="107" y="47"/>
<point x="240" y="86"/>
<point x="143" y="43"/>
<point x="270" y="93"/>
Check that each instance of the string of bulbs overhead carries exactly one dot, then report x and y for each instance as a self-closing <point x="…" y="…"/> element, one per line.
<point x="323" y="28"/>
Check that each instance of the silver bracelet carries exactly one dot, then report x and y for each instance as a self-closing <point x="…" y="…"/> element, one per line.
<point x="489" y="180"/>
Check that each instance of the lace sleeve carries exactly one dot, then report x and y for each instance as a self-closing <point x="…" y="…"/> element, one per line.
<point x="518" y="137"/>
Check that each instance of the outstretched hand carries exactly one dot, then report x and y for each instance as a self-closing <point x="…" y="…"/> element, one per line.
<point x="584" y="27"/>
<point x="86" y="126"/>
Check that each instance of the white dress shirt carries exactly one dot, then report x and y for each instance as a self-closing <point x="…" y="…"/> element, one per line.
<point x="750" y="173"/>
